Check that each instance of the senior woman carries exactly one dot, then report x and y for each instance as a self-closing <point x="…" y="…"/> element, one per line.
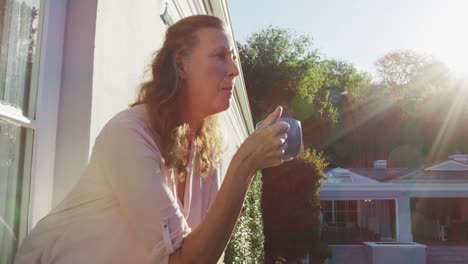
<point x="150" y="193"/>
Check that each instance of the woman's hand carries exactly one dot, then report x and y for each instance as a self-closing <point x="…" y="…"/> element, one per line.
<point x="265" y="147"/>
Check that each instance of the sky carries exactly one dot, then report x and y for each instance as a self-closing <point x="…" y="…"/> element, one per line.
<point x="361" y="31"/>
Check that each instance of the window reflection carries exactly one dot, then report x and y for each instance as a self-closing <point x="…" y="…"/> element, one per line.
<point x="356" y="221"/>
<point x="18" y="46"/>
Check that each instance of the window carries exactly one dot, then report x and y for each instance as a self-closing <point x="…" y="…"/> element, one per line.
<point x="439" y="220"/>
<point x="341" y="212"/>
<point x="355" y="221"/>
<point x="19" y="27"/>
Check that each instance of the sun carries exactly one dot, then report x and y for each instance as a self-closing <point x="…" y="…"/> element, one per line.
<point x="448" y="38"/>
<point x="457" y="59"/>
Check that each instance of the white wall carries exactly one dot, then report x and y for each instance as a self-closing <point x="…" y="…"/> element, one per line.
<point x="127" y="34"/>
<point x="233" y="135"/>
<point x="74" y="118"/>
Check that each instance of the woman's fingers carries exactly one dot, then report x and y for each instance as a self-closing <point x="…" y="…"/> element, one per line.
<point x="279" y="128"/>
<point x="272" y="118"/>
<point x="275" y="153"/>
<point x="277" y="134"/>
<point x="284" y="147"/>
<point x="268" y="143"/>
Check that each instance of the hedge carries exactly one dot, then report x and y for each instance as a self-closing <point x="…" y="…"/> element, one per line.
<point x="246" y="244"/>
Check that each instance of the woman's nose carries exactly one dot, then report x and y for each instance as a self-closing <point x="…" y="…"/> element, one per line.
<point x="233" y="70"/>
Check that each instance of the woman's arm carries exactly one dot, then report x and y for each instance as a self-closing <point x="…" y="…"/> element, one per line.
<point x="206" y="243"/>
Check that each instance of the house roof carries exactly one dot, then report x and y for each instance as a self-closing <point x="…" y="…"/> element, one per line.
<point x="340" y="175"/>
<point x="449" y="165"/>
<point x="452" y="171"/>
<point x="381" y="175"/>
<point x="427" y="176"/>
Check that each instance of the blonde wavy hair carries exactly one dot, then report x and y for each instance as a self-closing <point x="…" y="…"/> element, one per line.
<point x="160" y="95"/>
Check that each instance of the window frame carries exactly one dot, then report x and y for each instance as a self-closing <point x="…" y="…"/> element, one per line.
<point x="395" y="201"/>
<point x="48" y="83"/>
<point x="43" y="116"/>
<point x="334" y="210"/>
<point x="14" y="116"/>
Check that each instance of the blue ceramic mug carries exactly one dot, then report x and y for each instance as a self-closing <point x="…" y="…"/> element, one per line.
<point x="294" y="139"/>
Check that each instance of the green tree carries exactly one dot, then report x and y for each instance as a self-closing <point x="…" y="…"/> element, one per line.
<point x="282" y="68"/>
<point x="411" y="77"/>
<point x="278" y="65"/>
<point x="433" y="103"/>
<point x="342" y="76"/>
<point x="398" y="68"/>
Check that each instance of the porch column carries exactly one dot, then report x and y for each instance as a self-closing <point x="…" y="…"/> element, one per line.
<point x="403" y="217"/>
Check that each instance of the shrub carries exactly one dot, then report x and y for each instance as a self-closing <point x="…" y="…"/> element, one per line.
<point x="246" y="244"/>
<point x="291" y="208"/>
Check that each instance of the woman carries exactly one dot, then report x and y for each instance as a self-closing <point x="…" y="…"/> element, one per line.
<point x="150" y="193"/>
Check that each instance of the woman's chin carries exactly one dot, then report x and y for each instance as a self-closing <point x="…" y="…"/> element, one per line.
<point x="226" y="106"/>
<point x="221" y="108"/>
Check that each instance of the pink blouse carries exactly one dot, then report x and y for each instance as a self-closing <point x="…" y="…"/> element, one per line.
<point x="124" y="209"/>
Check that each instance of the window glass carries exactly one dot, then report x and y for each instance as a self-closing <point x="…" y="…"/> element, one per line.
<point x="19" y="22"/>
<point x="19" y="29"/>
<point x="356" y="221"/>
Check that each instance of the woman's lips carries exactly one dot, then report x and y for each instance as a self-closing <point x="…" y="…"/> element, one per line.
<point x="228" y="89"/>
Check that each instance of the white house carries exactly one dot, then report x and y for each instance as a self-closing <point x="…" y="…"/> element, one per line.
<point x="427" y="206"/>
<point x="66" y="67"/>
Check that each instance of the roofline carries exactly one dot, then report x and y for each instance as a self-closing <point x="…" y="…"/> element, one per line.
<point x="445" y="162"/>
<point x="396" y="187"/>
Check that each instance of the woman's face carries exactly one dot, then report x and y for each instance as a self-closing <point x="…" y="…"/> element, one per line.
<point x="209" y="73"/>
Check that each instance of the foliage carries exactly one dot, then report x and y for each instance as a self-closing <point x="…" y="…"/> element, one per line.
<point x="411" y="77"/>
<point x="280" y="260"/>
<point x="291" y="207"/>
<point x="321" y="251"/>
<point x="316" y="167"/>
<point x="413" y="115"/>
<point x="282" y="68"/>
<point x="246" y="244"/>
<point x="278" y="65"/>
<point x="247" y="241"/>
<point x="274" y="56"/>
<point x="415" y="112"/>
<point x="398" y="68"/>
<point x="344" y="76"/>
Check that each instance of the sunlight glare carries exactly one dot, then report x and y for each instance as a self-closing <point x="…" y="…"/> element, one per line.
<point x="449" y="38"/>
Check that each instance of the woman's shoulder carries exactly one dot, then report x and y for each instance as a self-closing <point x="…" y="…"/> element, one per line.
<point x="129" y="123"/>
<point x="132" y="116"/>
<point x="134" y="119"/>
